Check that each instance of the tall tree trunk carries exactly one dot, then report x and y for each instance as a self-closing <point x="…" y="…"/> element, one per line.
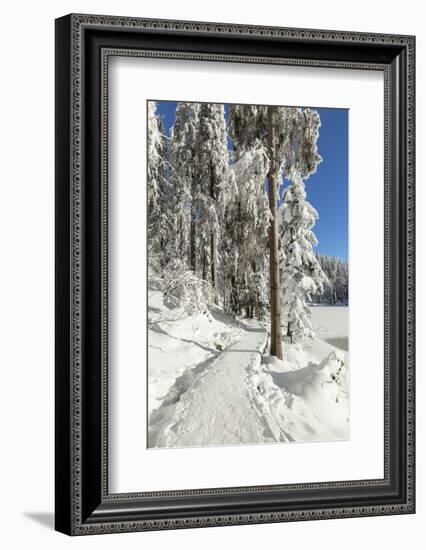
<point x="213" y="252"/>
<point x="204" y="272"/>
<point x="192" y="241"/>
<point x="192" y="258"/>
<point x="274" y="273"/>
<point x="233" y="296"/>
<point x="213" y="267"/>
<point x="180" y="238"/>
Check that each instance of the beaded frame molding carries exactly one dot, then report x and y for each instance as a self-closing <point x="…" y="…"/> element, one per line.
<point x="84" y="44"/>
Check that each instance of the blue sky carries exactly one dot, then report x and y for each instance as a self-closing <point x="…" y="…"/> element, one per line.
<point x="327" y="189"/>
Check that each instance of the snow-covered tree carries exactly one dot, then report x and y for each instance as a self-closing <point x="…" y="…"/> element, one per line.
<point x="183" y="186"/>
<point x="185" y="289"/>
<point x="289" y="136"/>
<point x="158" y="225"/>
<point x="245" y="229"/>
<point x="302" y="275"/>
<point x="211" y="165"/>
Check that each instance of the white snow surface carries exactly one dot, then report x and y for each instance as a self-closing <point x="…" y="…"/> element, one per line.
<point x="179" y="343"/>
<point x="212" y="382"/>
<point x="216" y="408"/>
<point x="330" y="324"/>
<point x="302" y="400"/>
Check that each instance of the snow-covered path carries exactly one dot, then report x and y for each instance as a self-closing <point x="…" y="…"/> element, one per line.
<point x="217" y="408"/>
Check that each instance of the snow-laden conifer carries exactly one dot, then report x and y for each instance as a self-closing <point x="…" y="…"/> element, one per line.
<point x="301" y="273"/>
<point x="211" y="165"/>
<point x="246" y="220"/>
<point x="158" y="224"/>
<point x="182" y="202"/>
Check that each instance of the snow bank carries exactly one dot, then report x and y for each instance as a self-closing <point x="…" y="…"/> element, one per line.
<point x="178" y="343"/>
<point x="301" y="400"/>
<point x="305" y="397"/>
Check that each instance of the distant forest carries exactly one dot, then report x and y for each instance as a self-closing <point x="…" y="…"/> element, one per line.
<point x="336" y="290"/>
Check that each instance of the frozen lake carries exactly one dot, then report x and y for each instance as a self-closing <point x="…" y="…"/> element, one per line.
<point x="331" y="325"/>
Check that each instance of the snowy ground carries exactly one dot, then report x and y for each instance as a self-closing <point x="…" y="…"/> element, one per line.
<point x="209" y="383"/>
<point x="216" y="408"/>
<point x="181" y="346"/>
<point x="305" y="397"/>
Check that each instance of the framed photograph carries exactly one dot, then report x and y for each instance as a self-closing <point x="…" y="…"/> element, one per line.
<point x="234" y="274"/>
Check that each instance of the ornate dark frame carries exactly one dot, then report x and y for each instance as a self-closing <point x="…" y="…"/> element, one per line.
<point x="83" y="46"/>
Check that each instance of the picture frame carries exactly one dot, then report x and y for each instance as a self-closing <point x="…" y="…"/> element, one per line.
<point x="83" y="503"/>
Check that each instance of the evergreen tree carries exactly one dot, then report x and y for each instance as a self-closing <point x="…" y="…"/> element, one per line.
<point x="302" y="274"/>
<point x="158" y="225"/>
<point x="245" y="229"/>
<point x="289" y="136"/>
<point x="183" y="186"/>
<point x="211" y="165"/>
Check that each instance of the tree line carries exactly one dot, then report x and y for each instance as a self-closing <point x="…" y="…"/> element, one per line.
<point x="219" y="229"/>
<point x="336" y="289"/>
